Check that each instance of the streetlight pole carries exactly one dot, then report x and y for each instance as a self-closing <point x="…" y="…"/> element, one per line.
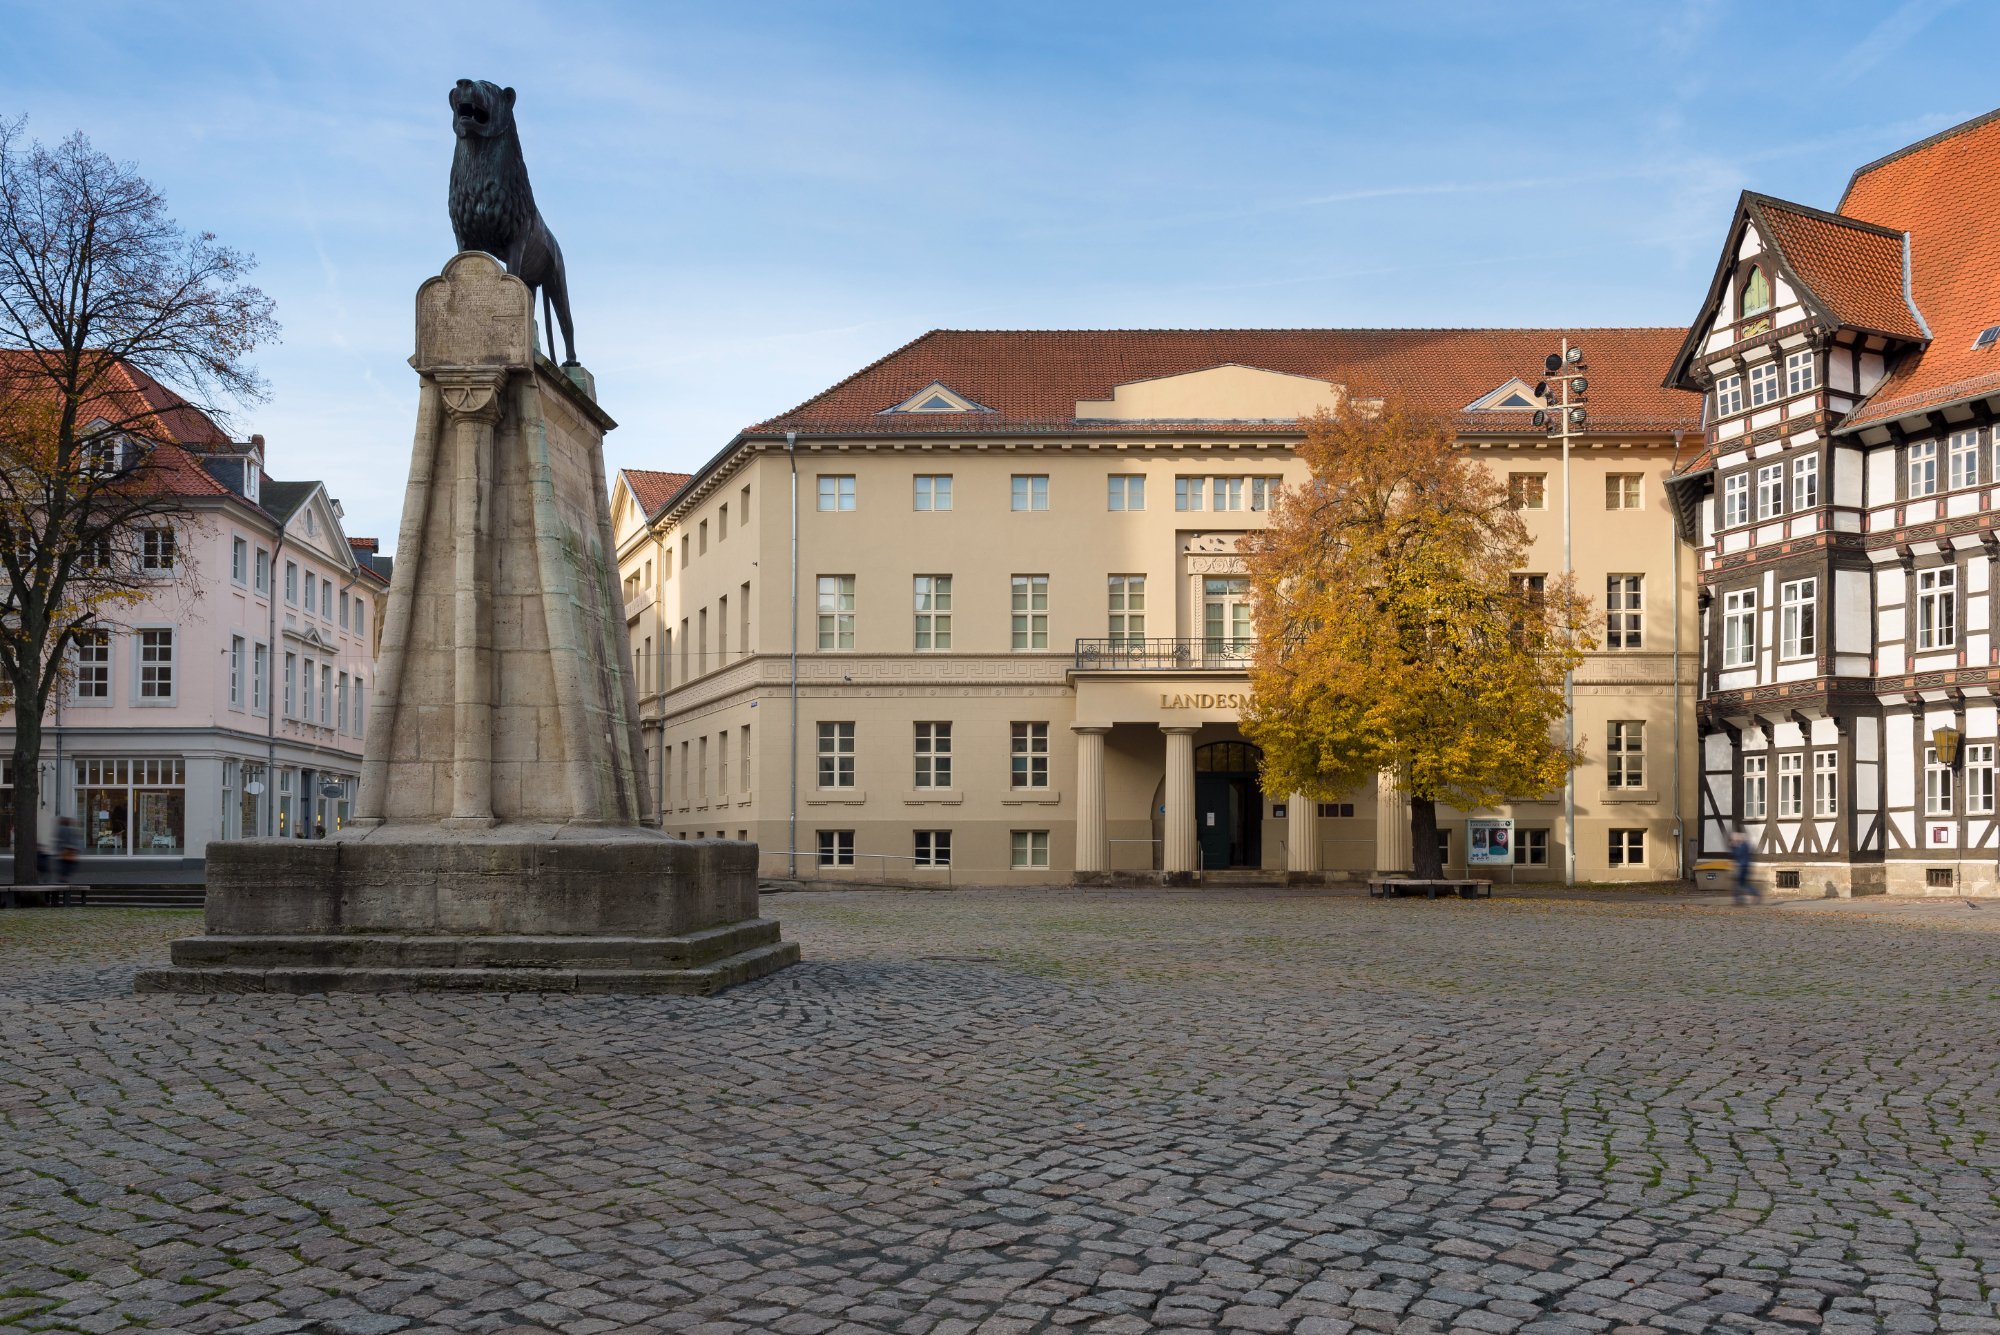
<point x="1564" y="392"/>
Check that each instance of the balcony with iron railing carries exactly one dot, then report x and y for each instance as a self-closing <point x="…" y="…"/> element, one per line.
<point x="1133" y="654"/>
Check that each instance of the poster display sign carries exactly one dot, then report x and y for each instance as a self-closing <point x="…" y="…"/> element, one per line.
<point x="1489" y="842"/>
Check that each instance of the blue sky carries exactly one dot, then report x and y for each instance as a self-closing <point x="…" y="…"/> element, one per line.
<point x="756" y="199"/>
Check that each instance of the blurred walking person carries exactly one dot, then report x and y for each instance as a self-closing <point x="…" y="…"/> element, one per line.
<point x="1739" y="854"/>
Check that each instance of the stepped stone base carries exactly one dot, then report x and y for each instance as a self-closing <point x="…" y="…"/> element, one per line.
<point x="509" y="909"/>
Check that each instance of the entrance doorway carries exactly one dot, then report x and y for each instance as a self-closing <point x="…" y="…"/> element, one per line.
<point x="1228" y="805"/>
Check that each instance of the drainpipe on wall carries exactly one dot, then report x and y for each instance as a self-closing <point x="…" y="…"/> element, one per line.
<point x="1674" y="569"/>
<point x="659" y="671"/>
<point x="792" y="831"/>
<point x="272" y="670"/>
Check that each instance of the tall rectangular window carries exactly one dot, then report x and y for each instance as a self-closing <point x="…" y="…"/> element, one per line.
<point x="933" y="598"/>
<point x="1621" y="491"/>
<point x="261" y="567"/>
<point x="933" y="755"/>
<point x="933" y="491"/>
<point x="93" y="665"/>
<point x="157" y="549"/>
<point x="1801" y="372"/>
<point x="744" y="753"/>
<point x="933" y="848"/>
<point x="1728" y="395"/>
<point x="1771" y="490"/>
<point x="1030" y="755"/>
<point x="156" y="664"/>
<point x="1937" y="784"/>
<point x="1739" y="628"/>
<point x="1736" y="500"/>
<point x="1627" y="848"/>
<point x="326" y="599"/>
<point x="1528" y="491"/>
<point x="325" y="694"/>
<point x="1030" y="491"/>
<point x="836" y="848"/>
<point x="1937" y="607"/>
<point x="836" y="755"/>
<point x="260" y="677"/>
<point x="1791" y="785"/>
<point x="721" y="526"/>
<point x="1030" y="849"/>
<point x="1264" y="492"/>
<point x="1190" y="493"/>
<point x="1826" y="782"/>
<point x="1756" y="776"/>
<point x="340" y="703"/>
<point x="836" y="611"/>
<point x="1624" y="611"/>
<point x="345" y="600"/>
<point x="1805" y="482"/>
<point x="1798" y="618"/>
<point x="1962" y="460"/>
<point x="1128" y="610"/>
<point x="291" y="685"/>
<point x="239" y="560"/>
<point x="1625" y="754"/>
<point x="236" y="672"/>
<point x="1923" y="468"/>
<point x="1979" y="779"/>
<point x="1125" y="491"/>
<point x="1763" y="384"/>
<point x="1031" y="612"/>
<point x="836" y="492"/>
<point x="292" y="582"/>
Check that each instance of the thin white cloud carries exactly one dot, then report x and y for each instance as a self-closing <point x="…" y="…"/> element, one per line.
<point x="1886" y="38"/>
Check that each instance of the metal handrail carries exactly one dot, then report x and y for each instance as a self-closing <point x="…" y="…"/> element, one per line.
<point x="1129" y="654"/>
<point x="814" y="865"/>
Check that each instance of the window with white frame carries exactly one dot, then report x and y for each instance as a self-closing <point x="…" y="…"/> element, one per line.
<point x="1622" y="491"/>
<point x="1826" y="783"/>
<point x="325" y="695"/>
<point x="933" y="755"/>
<point x="1628" y="848"/>
<point x="1801" y="372"/>
<point x="291" y="685"/>
<point x="1937" y="607"/>
<point x="1728" y="395"/>
<point x="93" y="664"/>
<point x="1763" y="384"/>
<point x="933" y="612"/>
<point x="1798" y="618"/>
<point x="1923" y="468"/>
<point x="1770" y="490"/>
<point x="1531" y="848"/>
<point x="1029" y="491"/>
<point x="836" y="755"/>
<point x="1791" y="785"/>
<point x="1190" y="493"/>
<point x="326" y="598"/>
<point x="1030" y="759"/>
<point x="1030" y="612"/>
<point x="836" y="611"/>
<point x="239" y="560"/>
<point x="292" y="582"/>
<point x="157" y="550"/>
<point x="1805" y="482"/>
<point x="1625" y="754"/>
<point x="933" y="848"/>
<point x="1127" y="600"/>
<point x="836" y="848"/>
<point x="262" y="567"/>
<point x="1030" y="849"/>
<point x="1225" y="493"/>
<point x="836" y="493"/>
<point x="340" y="703"/>
<point x="236" y="671"/>
<point x="1264" y="492"/>
<point x="1125" y="491"/>
<point x="156" y="664"/>
<point x="1528" y="491"/>
<point x="260" y="676"/>
<point x="1937" y="784"/>
<point x="1979" y="779"/>
<point x="1962" y="460"/>
<point x="1624" y="611"/>
<point x="1756" y="774"/>
<point x="933" y="491"/>
<point x="1739" y="628"/>
<point x="1736" y="500"/>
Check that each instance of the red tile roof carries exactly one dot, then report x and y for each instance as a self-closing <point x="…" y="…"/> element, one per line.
<point x="1945" y="191"/>
<point x="364" y="544"/>
<point x="1033" y="379"/>
<point x="144" y="407"/>
<point x="654" y="489"/>
<point x="1854" y="269"/>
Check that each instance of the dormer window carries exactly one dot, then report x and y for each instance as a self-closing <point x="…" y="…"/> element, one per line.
<point x="253" y="480"/>
<point x="105" y="452"/>
<point x="1515" y="395"/>
<point x="1756" y="292"/>
<point x="937" y="397"/>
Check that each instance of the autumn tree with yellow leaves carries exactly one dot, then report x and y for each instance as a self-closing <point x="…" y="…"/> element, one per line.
<point x="1393" y="632"/>
<point x="96" y="282"/>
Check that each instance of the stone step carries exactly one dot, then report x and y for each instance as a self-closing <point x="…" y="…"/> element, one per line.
<point x="511" y="953"/>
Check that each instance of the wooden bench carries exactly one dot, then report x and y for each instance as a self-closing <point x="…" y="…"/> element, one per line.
<point x="1398" y="886"/>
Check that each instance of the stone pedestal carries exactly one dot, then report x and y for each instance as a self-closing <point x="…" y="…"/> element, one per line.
<point x="499" y="842"/>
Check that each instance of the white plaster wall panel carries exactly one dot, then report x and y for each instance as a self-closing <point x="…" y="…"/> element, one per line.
<point x="1867" y="737"/>
<point x="1798" y="670"/>
<point x="1823" y="832"/>
<point x="1881" y="477"/>
<point x="1871" y="372"/>
<point x="1788" y="734"/>
<point x="1838" y="374"/>
<point x="1850" y="612"/>
<point x="1805" y="524"/>
<point x="1715" y="751"/>
<point x="1850" y="665"/>
<point x="1939" y="718"/>
<point x="1771" y="533"/>
<point x="1867" y="786"/>
<point x="1783" y="294"/>
<point x="1920" y="512"/>
<point x="1739" y="541"/>
<point x="1964" y="503"/>
<point x="1764" y="417"/>
<point x="1802" y="407"/>
<point x="1899" y="734"/>
<point x="1903" y="824"/>
<point x="1846" y="521"/>
<point x="1978" y="577"/>
<point x="1707" y="525"/>
<point x="1889" y="587"/>
<point x="1933" y="662"/>
<point x="1825" y="732"/>
<point x="1729" y="428"/>
<point x="1890" y="659"/>
<point x="1976" y="647"/>
<point x="1981" y="720"/>
<point x="1733" y="459"/>
<point x="1753" y="244"/>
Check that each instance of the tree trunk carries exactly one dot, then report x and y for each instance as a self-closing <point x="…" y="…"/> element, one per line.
<point x="27" y="794"/>
<point x="1425" y="864"/>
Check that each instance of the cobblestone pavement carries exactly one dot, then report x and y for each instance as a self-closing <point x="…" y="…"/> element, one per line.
<point x="1014" y="1111"/>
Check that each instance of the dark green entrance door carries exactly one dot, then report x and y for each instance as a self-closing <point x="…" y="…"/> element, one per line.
<point x="1228" y="805"/>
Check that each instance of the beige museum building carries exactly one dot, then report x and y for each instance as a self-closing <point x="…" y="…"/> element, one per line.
<point x="975" y="614"/>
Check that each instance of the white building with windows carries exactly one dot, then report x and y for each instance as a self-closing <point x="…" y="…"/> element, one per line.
<point x="232" y="701"/>
<point x="1843" y="509"/>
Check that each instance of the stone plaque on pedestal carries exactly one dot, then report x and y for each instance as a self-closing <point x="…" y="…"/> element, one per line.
<point x="501" y="841"/>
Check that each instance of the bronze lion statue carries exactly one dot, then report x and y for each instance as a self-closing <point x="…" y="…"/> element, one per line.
<point x="493" y="207"/>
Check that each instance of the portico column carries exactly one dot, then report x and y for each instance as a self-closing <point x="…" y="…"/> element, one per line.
<point x="1178" y="854"/>
<point x="1301" y="834"/>
<point x="472" y="407"/>
<point x="1093" y="848"/>
<point x="1392" y="823"/>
